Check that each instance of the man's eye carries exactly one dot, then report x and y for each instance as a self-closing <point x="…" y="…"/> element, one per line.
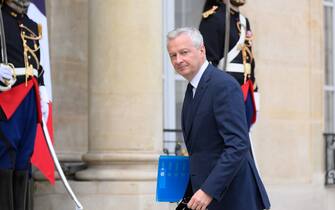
<point x="173" y="56"/>
<point x="184" y="52"/>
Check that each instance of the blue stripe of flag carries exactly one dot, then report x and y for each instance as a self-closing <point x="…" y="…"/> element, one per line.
<point x="249" y="109"/>
<point x="40" y="4"/>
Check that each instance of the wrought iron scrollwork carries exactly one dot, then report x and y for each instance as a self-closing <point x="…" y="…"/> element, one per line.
<point x="330" y="158"/>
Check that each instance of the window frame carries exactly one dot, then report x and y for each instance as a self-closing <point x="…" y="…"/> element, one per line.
<point x="330" y="88"/>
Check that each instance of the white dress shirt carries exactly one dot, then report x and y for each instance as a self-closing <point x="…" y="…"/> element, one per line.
<point x="196" y="79"/>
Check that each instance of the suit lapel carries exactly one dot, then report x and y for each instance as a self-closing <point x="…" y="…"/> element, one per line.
<point x="200" y="91"/>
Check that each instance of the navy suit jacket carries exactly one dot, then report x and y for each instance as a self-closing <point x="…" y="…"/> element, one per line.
<point x="216" y="135"/>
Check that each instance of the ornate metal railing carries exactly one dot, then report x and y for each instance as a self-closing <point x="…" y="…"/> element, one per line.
<point x="330" y="158"/>
<point x="173" y="143"/>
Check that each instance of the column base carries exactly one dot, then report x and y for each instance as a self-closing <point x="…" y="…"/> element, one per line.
<point x="119" y="167"/>
<point x="102" y="195"/>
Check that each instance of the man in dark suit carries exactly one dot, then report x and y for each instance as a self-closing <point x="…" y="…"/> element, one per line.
<point x="223" y="175"/>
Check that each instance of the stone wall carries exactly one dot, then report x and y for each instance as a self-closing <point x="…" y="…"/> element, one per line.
<point x="288" y="139"/>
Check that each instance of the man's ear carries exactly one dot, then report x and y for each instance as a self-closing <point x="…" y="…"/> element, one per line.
<point x="202" y="49"/>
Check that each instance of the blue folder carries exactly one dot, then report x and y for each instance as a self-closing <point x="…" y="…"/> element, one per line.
<point x="172" y="178"/>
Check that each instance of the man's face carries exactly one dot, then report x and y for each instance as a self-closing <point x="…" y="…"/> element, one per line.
<point x="185" y="57"/>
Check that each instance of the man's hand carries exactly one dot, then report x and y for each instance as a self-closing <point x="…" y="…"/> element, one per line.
<point x="199" y="201"/>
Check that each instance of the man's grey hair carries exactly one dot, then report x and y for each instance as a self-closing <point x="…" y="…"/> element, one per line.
<point x="193" y="33"/>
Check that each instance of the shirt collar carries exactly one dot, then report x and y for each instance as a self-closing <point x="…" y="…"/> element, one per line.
<point x="196" y="79"/>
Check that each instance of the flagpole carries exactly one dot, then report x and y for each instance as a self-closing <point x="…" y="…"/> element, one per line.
<point x="227" y="35"/>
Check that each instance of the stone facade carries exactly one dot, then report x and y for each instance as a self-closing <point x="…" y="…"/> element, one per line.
<point x="106" y="61"/>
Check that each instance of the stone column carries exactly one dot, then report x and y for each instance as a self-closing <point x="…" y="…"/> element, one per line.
<point x="69" y="77"/>
<point x="125" y="102"/>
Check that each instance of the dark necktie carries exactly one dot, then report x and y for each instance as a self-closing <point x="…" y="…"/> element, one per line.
<point x="189" y="91"/>
<point x="188" y="100"/>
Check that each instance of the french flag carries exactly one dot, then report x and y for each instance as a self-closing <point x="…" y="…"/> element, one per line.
<point x="41" y="157"/>
<point x="249" y="101"/>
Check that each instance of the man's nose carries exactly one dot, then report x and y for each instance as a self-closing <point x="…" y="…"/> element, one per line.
<point x="178" y="58"/>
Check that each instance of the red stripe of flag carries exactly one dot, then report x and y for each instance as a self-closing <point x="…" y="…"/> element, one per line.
<point x="41" y="157"/>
